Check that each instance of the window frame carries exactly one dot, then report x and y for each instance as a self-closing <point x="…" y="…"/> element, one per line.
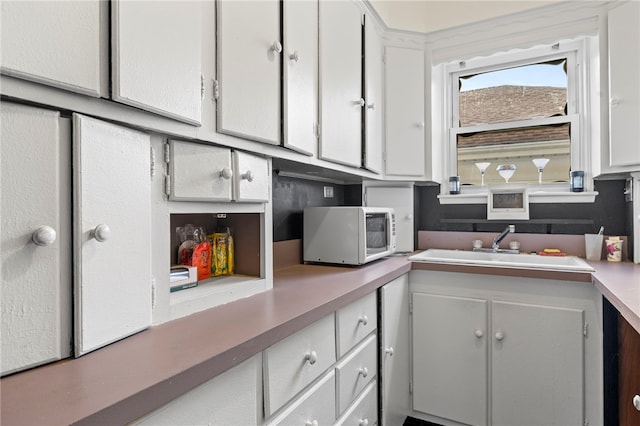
<point x="578" y="89"/>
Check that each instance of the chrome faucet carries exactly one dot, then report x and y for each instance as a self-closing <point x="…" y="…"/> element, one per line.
<point x="500" y="237"/>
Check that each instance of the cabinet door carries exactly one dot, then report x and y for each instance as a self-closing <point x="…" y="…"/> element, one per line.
<point x="61" y="44"/>
<point x="450" y="358"/>
<point x="341" y="100"/>
<point x="401" y="200"/>
<point x="199" y="172"/>
<point x="112" y="256"/>
<point x="373" y="97"/>
<point x="300" y="75"/>
<point x="232" y="398"/>
<point x="249" y="55"/>
<point x="624" y="86"/>
<point x="537" y="356"/>
<point x="629" y="373"/>
<point x="404" y="151"/>
<point x="251" y="177"/>
<point x="394" y="351"/>
<point x="156" y="57"/>
<point x="36" y="237"/>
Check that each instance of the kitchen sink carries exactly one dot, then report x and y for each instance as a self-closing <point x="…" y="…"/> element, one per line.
<point x="503" y="260"/>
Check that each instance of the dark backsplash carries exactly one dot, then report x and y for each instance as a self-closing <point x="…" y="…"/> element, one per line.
<point x="292" y="195"/>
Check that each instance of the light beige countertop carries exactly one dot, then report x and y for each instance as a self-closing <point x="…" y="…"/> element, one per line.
<point x="136" y="375"/>
<point x="620" y="284"/>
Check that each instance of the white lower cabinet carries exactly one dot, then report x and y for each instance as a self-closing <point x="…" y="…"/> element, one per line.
<point x="315" y="407"/>
<point x="493" y="350"/>
<point x="293" y="363"/>
<point x="232" y="398"/>
<point x="306" y="384"/>
<point x="394" y="352"/>
<point x="355" y="371"/>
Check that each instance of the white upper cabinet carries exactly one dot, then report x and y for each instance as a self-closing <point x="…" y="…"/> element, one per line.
<point x="199" y="172"/>
<point x="404" y="151"/>
<point x="373" y="97"/>
<point x="252" y="180"/>
<point x="156" y="57"/>
<point x="624" y="85"/>
<point x="60" y="44"/>
<point x="300" y="75"/>
<point x="36" y="237"/>
<point x="341" y="98"/>
<point x="112" y="257"/>
<point x="249" y="80"/>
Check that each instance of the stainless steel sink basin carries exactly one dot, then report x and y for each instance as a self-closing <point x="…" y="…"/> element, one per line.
<point x="503" y="260"/>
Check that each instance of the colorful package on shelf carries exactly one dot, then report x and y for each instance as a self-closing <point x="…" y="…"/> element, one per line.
<point x="194" y="249"/>
<point x="222" y="259"/>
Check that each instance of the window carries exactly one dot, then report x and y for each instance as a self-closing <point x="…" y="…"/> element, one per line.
<point x="513" y="108"/>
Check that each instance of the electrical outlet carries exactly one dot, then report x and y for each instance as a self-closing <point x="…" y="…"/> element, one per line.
<point x="328" y="192"/>
<point x="628" y="190"/>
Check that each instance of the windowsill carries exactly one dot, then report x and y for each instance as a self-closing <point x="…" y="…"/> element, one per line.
<point x="547" y="193"/>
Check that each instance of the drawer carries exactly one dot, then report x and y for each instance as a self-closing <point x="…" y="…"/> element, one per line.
<point x="355" y="372"/>
<point x="355" y="321"/>
<point x="316" y="406"/>
<point x="293" y="363"/>
<point x="364" y="411"/>
<point x="233" y="397"/>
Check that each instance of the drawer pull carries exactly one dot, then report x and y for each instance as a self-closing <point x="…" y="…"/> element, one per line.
<point x="312" y="357"/>
<point x="636" y="402"/>
<point x="363" y="422"/>
<point x="363" y="319"/>
<point x="311" y="423"/>
<point x="364" y="371"/>
<point x="389" y="351"/>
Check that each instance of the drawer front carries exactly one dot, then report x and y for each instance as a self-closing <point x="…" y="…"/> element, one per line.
<point x="364" y="411"/>
<point x="233" y="397"/>
<point x="316" y="406"/>
<point x="251" y="177"/>
<point x="355" y="372"/>
<point x="199" y="172"/>
<point x="293" y="363"/>
<point x="355" y="322"/>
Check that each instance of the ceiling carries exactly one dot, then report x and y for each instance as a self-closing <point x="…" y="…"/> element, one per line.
<point x="427" y="16"/>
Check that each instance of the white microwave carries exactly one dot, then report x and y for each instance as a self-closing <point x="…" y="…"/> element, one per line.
<point x="348" y="235"/>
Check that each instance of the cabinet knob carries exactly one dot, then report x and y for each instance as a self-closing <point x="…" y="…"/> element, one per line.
<point x="248" y="176"/>
<point x="363" y="422"/>
<point x="360" y="102"/>
<point x="276" y="47"/>
<point x="294" y="56"/>
<point x="372" y="105"/>
<point x="614" y="101"/>
<point x="101" y="232"/>
<point x="311" y="423"/>
<point x="44" y="236"/>
<point x="311" y="357"/>
<point x="420" y="125"/>
<point x="389" y="351"/>
<point x="363" y="319"/>
<point x="226" y="173"/>
<point x="499" y="335"/>
<point x="364" y="371"/>
<point x="636" y="402"/>
<point x="479" y="333"/>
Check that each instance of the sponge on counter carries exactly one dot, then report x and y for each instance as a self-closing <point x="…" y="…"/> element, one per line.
<point x="552" y="252"/>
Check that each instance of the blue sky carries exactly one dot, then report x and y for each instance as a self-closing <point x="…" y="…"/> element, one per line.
<point x="531" y="75"/>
